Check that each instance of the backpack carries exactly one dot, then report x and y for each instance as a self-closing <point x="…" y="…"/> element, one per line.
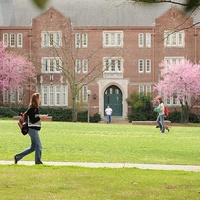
<point x="23" y="123"/>
<point x="166" y="111"/>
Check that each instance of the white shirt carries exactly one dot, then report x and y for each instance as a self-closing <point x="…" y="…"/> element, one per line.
<point x="162" y="111"/>
<point x="108" y="111"/>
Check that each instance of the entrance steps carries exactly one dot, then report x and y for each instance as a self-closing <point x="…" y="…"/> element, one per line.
<point x="115" y="120"/>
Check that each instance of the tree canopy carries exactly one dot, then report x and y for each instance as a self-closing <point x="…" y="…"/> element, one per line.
<point x="15" y="71"/>
<point x="187" y="4"/>
<point x="181" y="81"/>
<point x="40" y="3"/>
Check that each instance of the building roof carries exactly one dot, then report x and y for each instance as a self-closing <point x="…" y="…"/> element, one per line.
<point x="84" y="12"/>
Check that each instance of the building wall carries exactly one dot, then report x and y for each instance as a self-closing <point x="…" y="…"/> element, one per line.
<point x="129" y="79"/>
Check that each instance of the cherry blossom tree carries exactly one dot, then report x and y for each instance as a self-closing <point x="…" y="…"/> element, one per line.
<point x="15" y="71"/>
<point x="180" y="80"/>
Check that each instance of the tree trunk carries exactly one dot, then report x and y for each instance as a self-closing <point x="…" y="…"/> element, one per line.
<point x="185" y="112"/>
<point x="74" y="113"/>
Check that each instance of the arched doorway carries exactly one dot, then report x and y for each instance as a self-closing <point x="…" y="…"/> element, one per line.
<point x="113" y="98"/>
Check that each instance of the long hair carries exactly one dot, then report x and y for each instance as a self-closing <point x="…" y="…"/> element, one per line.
<point x="160" y="100"/>
<point x="34" y="100"/>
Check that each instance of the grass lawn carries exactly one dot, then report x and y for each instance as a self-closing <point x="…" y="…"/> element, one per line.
<point x="85" y="142"/>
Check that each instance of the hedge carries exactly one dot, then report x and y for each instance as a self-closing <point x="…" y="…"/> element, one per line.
<point x="58" y="114"/>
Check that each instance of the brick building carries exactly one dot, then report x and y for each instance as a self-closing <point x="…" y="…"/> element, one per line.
<point x="110" y="51"/>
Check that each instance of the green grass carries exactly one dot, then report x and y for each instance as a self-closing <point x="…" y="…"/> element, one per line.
<point x="106" y="143"/>
<point x="85" y="142"/>
<point x="74" y="183"/>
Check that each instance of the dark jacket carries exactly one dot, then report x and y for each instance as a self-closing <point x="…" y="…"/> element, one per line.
<point x="33" y="118"/>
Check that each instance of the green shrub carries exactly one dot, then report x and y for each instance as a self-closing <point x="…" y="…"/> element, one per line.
<point x="95" y="118"/>
<point x="7" y="112"/>
<point x="82" y="116"/>
<point x="58" y="114"/>
<point x="193" y="118"/>
<point x="142" y="116"/>
<point x="174" y="117"/>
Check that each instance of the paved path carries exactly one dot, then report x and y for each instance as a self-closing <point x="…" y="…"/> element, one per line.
<point x="111" y="165"/>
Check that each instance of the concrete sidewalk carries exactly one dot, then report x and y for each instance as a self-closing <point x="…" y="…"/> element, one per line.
<point x="111" y="165"/>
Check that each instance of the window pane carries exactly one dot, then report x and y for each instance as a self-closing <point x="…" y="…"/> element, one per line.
<point x="141" y="39"/>
<point x="112" y="65"/>
<point x="5" y="39"/>
<point x="12" y="39"/>
<point x="19" y="40"/>
<point x="148" y="40"/>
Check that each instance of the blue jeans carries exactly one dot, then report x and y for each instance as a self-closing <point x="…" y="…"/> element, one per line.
<point x="108" y="118"/>
<point x="35" y="146"/>
<point x="160" y="122"/>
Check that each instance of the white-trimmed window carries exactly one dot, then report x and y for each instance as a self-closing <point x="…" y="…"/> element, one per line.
<point x="84" y="65"/>
<point x="51" y="95"/>
<point x="144" y="40"/>
<point x="57" y="97"/>
<point x="78" y="40"/>
<point x="84" y="40"/>
<point x="148" y="40"/>
<point x="54" y="95"/>
<point x="13" y="94"/>
<point x="141" y="65"/>
<point x="113" y="65"/>
<point x="81" y="66"/>
<point x="174" y="39"/>
<point x="141" y="89"/>
<point x="6" y="96"/>
<point x="19" y="40"/>
<point x="44" y="95"/>
<point x="81" y="40"/>
<point x="144" y="65"/>
<point x="5" y="40"/>
<point x="77" y="66"/>
<point x="113" y="38"/>
<point x="145" y="89"/>
<point x="84" y="93"/>
<point x="51" y="65"/>
<point x="172" y="101"/>
<point x="141" y="39"/>
<point x="148" y="89"/>
<point x="173" y="59"/>
<point x="20" y="94"/>
<point x="78" y="96"/>
<point x="148" y="65"/>
<point x="51" y="39"/>
<point x="12" y="40"/>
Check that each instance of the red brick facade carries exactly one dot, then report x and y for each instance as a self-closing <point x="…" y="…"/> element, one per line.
<point x="133" y="54"/>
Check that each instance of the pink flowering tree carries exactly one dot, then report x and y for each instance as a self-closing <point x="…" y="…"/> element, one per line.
<point x="180" y="80"/>
<point x="15" y="72"/>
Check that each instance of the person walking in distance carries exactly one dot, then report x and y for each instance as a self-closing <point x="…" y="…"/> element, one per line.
<point x="108" y="112"/>
<point x="161" y="115"/>
<point x="34" y="125"/>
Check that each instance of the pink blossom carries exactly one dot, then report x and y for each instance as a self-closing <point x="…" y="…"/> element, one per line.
<point x="180" y="79"/>
<point x="15" y="70"/>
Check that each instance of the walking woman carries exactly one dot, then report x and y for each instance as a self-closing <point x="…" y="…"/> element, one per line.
<point x="161" y="115"/>
<point x="34" y="125"/>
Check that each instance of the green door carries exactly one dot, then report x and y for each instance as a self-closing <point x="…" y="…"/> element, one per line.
<point x="113" y="98"/>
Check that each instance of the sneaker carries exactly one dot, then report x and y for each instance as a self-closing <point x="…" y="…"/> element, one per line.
<point x="15" y="160"/>
<point x="40" y="163"/>
<point x="157" y="126"/>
